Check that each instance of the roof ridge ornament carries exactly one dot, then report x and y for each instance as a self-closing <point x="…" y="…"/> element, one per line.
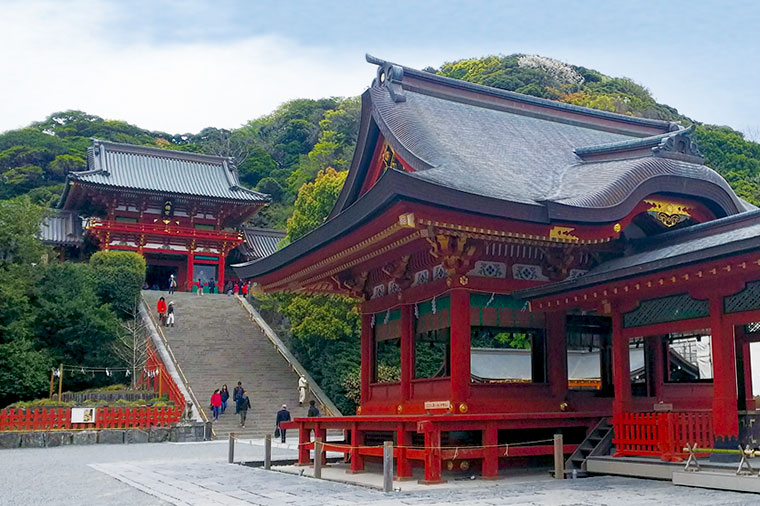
<point x="680" y="143"/>
<point x="390" y="76"/>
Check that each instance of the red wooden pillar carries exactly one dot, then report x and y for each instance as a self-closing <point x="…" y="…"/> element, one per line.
<point x="366" y="352"/>
<point x="220" y="275"/>
<point x="460" y="347"/>
<point x="490" y="452"/>
<point x="189" y="271"/>
<point x="303" y="452"/>
<point x="621" y="367"/>
<point x="556" y="354"/>
<point x="403" y="466"/>
<point x="407" y="357"/>
<point x="432" y="453"/>
<point x="725" y="410"/>
<point x="357" y="440"/>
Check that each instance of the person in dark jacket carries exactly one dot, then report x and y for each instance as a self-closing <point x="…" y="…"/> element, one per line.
<point x="243" y="404"/>
<point x="313" y="410"/>
<point x="225" y="397"/>
<point x="236" y="393"/>
<point x="283" y="415"/>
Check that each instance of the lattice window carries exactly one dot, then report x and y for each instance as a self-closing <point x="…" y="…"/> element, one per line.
<point x="666" y="309"/>
<point x="746" y="300"/>
<point x="752" y="328"/>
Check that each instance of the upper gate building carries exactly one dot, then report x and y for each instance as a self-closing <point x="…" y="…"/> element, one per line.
<point x="525" y="266"/>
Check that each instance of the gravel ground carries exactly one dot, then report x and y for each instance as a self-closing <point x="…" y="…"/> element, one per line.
<point x="167" y="473"/>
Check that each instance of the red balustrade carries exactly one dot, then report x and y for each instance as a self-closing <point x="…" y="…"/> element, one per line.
<point x="662" y="435"/>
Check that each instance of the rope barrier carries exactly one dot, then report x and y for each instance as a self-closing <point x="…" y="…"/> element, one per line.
<point x="402" y="447"/>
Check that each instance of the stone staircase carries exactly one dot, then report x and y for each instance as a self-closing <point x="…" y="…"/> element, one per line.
<point x="215" y="343"/>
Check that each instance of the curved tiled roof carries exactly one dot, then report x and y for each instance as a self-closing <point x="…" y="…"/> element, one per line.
<point x="536" y="152"/>
<point x="64" y="228"/>
<point x="260" y="242"/>
<point x="164" y="171"/>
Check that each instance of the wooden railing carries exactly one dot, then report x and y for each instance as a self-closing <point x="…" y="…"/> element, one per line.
<point x="662" y="435"/>
<point x="153" y="376"/>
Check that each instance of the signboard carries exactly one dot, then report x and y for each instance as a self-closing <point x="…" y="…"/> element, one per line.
<point x="663" y="407"/>
<point x="82" y="415"/>
<point x="437" y="404"/>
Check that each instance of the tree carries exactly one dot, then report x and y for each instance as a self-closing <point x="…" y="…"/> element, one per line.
<point x="131" y="343"/>
<point x="120" y="276"/>
<point x="314" y="203"/>
<point x="20" y="221"/>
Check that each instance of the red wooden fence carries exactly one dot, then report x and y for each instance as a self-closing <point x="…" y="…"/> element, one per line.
<point x="662" y="435"/>
<point x="154" y="376"/>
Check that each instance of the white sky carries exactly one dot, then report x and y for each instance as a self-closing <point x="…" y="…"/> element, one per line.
<point x="181" y="66"/>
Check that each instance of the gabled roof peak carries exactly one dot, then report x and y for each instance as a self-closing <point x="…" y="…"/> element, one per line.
<point x="398" y="79"/>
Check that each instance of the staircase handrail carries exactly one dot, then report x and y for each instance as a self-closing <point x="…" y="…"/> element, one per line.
<point x="175" y="363"/>
<point x="330" y="408"/>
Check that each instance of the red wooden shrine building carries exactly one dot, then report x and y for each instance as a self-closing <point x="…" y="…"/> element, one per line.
<point x="525" y="267"/>
<point x="181" y="211"/>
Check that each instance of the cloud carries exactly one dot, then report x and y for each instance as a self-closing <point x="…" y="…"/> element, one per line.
<point x="61" y="57"/>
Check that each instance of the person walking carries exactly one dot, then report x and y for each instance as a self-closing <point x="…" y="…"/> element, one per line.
<point x="200" y="287"/>
<point x="303" y="386"/>
<point x="244" y="289"/>
<point x="211" y="286"/>
<point x="283" y="415"/>
<point x="313" y="410"/>
<point x="225" y="397"/>
<point x="216" y="403"/>
<point x="236" y="393"/>
<point x="161" y="308"/>
<point x="235" y="289"/>
<point x="170" y="314"/>
<point x="243" y="404"/>
<point x="172" y="284"/>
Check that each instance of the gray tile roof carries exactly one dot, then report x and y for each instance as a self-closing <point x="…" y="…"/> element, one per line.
<point x="260" y="242"/>
<point x="733" y="235"/>
<point x="517" y="149"/>
<point x="164" y="171"/>
<point x="64" y="228"/>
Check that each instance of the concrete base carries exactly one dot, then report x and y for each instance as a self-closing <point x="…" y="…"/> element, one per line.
<point x="718" y="481"/>
<point x="628" y="466"/>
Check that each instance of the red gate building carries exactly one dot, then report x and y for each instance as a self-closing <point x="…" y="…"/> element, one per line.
<point x="513" y="258"/>
<point x="180" y="210"/>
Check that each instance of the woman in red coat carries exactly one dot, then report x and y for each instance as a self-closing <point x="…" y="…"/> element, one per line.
<point x="216" y="403"/>
<point x="161" y="308"/>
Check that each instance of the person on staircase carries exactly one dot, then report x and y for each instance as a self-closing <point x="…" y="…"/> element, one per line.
<point x="235" y="289"/>
<point x="244" y="289"/>
<point x="303" y="388"/>
<point x="211" y="286"/>
<point x="161" y="309"/>
<point x="216" y="403"/>
<point x="283" y="415"/>
<point x="313" y="409"/>
<point x="236" y="393"/>
<point x="243" y="404"/>
<point x="200" y="287"/>
<point x="172" y="284"/>
<point x="170" y="314"/>
<point x="225" y="397"/>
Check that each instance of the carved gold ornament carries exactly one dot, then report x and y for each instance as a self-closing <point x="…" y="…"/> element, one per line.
<point x="669" y="214"/>
<point x="558" y="233"/>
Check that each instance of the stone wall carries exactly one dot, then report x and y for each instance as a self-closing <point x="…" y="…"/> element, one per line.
<point x="181" y="432"/>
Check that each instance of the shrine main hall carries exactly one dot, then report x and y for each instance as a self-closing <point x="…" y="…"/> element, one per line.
<point x="525" y="267"/>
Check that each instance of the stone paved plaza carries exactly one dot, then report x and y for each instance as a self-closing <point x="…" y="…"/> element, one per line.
<point x="197" y="474"/>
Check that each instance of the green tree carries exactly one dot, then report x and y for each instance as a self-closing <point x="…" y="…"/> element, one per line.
<point x="20" y="221"/>
<point x="120" y="276"/>
<point x="314" y="203"/>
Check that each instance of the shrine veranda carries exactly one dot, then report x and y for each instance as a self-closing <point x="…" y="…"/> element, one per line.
<point x="525" y="267"/>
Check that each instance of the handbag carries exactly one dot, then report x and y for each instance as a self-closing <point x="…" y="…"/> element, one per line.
<point x="277" y="431"/>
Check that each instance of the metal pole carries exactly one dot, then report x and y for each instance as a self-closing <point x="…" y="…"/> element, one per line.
<point x="318" y="458"/>
<point x="388" y="466"/>
<point x="267" y="451"/>
<point x="160" y="383"/>
<point x="559" y="458"/>
<point x="60" y="382"/>
<point x="52" y="383"/>
<point x="231" y="451"/>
